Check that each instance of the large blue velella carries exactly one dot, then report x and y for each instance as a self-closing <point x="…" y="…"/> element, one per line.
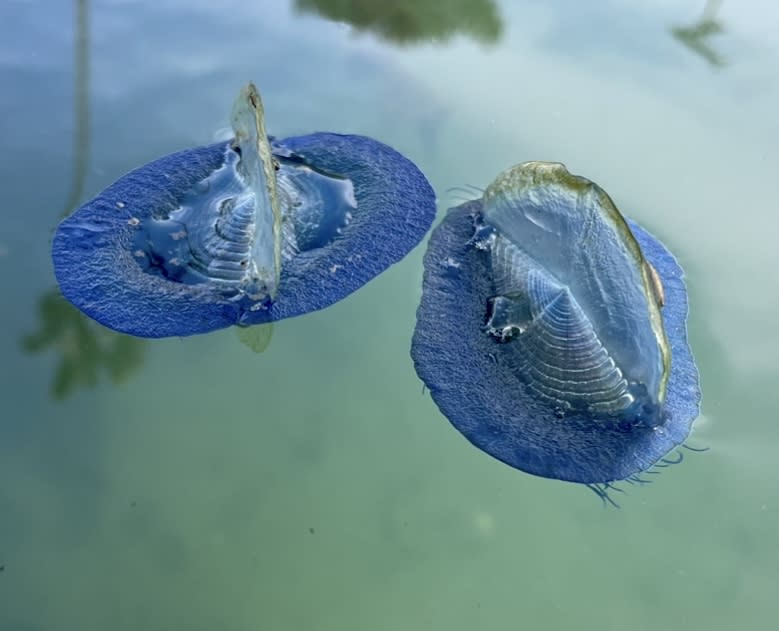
<point x="244" y="232"/>
<point x="552" y="331"/>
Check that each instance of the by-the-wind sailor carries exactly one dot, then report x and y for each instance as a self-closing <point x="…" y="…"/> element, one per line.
<point x="552" y="331"/>
<point x="244" y="232"/>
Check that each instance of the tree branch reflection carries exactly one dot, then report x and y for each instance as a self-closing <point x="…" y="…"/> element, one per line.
<point x="85" y="347"/>
<point x="412" y="21"/>
<point x="694" y="37"/>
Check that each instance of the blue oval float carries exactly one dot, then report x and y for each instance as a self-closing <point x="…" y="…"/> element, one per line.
<point x="552" y="332"/>
<point x="244" y="232"/>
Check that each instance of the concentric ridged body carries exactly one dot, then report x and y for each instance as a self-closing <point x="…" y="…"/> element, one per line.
<point x="573" y="294"/>
<point x="210" y="236"/>
<point x="125" y="260"/>
<point x="233" y="228"/>
<point x="245" y="232"/>
<point x="227" y="227"/>
<point x="478" y="381"/>
<point x="218" y="233"/>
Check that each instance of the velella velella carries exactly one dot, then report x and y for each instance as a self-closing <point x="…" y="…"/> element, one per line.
<point x="552" y="331"/>
<point x="242" y="232"/>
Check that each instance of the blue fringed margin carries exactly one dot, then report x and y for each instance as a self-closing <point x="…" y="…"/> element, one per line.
<point x="96" y="270"/>
<point x="461" y="366"/>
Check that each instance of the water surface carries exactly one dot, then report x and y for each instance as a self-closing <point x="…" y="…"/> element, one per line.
<point x="193" y="484"/>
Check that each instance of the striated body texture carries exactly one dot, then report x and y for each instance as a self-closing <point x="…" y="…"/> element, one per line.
<point x="552" y="331"/>
<point x="117" y="257"/>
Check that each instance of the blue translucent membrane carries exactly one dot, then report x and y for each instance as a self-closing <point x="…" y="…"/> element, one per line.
<point x="552" y="331"/>
<point x="162" y="251"/>
<point x="210" y="237"/>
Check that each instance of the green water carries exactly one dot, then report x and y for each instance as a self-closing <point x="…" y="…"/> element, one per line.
<point x="193" y="484"/>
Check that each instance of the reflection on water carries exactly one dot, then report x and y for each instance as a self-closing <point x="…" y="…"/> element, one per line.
<point x="80" y="105"/>
<point x="694" y="37"/>
<point x="86" y="348"/>
<point x="410" y="21"/>
<point x="257" y="338"/>
<point x="186" y="498"/>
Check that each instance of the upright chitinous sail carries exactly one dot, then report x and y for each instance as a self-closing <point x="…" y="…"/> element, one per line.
<point x="552" y="331"/>
<point x="244" y="232"/>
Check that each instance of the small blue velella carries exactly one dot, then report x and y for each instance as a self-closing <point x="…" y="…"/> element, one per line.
<point x="552" y="331"/>
<point x="244" y="232"/>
